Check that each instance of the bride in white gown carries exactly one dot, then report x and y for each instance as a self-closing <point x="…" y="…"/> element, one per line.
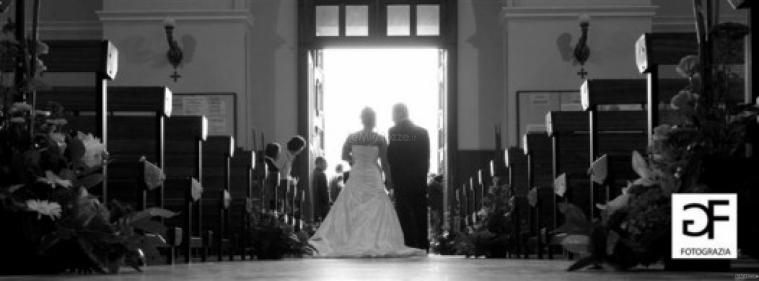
<point x="362" y="222"/>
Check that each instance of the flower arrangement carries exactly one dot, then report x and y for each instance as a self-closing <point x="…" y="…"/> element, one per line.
<point x="272" y="238"/>
<point x="444" y="243"/>
<point x="51" y="223"/>
<point x="633" y="228"/>
<point x="490" y="235"/>
<point x="707" y="148"/>
<point x="45" y="176"/>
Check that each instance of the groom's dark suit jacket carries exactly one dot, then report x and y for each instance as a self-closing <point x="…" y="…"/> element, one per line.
<point x="408" y="152"/>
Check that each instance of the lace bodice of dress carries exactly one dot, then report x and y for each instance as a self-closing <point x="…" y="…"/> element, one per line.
<point x="366" y="138"/>
<point x="365" y="148"/>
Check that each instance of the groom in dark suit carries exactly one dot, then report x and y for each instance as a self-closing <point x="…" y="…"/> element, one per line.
<point x="409" y="155"/>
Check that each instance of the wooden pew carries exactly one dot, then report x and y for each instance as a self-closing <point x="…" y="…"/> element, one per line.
<point x="471" y="199"/>
<point x="499" y="175"/>
<point x="218" y="152"/>
<point x="616" y="133"/>
<point x="185" y="136"/>
<point x="568" y="131"/>
<point x="261" y="179"/>
<point x="484" y="181"/>
<point x="292" y="204"/>
<point x="516" y="163"/>
<point x="458" y="222"/>
<point x="474" y="198"/>
<point x="468" y="205"/>
<point x="498" y="170"/>
<point x="463" y="208"/>
<point x="613" y="92"/>
<point x="595" y="92"/>
<point x="242" y="183"/>
<point x="537" y="150"/>
<point x="299" y="207"/>
<point x="479" y="192"/>
<point x="752" y="52"/>
<point x="99" y="57"/>
<point x="656" y="49"/>
<point x="130" y="136"/>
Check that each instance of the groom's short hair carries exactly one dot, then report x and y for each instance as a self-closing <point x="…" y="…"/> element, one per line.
<point x="401" y="110"/>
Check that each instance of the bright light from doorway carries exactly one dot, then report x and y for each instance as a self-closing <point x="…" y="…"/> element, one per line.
<point x="379" y="78"/>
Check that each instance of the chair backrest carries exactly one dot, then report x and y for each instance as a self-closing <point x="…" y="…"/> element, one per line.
<point x="183" y="134"/>
<point x="516" y="162"/>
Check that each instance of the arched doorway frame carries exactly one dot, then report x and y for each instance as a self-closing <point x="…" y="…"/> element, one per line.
<point x="309" y="60"/>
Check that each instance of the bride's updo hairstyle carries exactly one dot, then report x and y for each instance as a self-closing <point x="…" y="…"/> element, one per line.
<point x="368" y="117"/>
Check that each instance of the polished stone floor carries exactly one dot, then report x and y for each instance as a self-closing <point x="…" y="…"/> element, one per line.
<point x="427" y="268"/>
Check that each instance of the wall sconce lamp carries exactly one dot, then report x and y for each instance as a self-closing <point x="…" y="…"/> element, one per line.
<point x="582" y="52"/>
<point x="174" y="54"/>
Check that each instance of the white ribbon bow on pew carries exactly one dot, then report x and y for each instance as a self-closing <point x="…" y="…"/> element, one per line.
<point x="532" y="197"/>
<point x="227" y="199"/>
<point x="196" y="190"/>
<point x="599" y="170"/>
<point x="560" y="185"/>
<point x="154" y="176"/>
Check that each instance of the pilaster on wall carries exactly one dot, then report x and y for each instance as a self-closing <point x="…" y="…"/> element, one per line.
<point x="213" y="35"/>
<point x="540" y="36"/>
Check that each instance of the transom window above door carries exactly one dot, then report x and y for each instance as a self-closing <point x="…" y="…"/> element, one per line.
<point x="376" y="18"/>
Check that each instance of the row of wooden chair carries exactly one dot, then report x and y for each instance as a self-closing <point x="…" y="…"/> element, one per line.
<point x="584" y="157"/>
<point x="136" y="122"/>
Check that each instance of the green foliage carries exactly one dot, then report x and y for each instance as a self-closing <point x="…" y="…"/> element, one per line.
<point x="702" y="151"/>
<point x="50" y="221"/>
<point x="445" y="243"/>
<point x="45" y="174"/>
<point x="271" y="238"/>
<point x="491" y="234"/>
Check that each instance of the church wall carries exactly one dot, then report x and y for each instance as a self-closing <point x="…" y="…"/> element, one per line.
<point x="272" y="68"/>
<point x="244" y="47"/>
<point x="214" y="57"/>
<point x="540" y="39"/>
<point x="214" y="42"/>
<point x="499" y="51"/>
<point x="480" y="73"/>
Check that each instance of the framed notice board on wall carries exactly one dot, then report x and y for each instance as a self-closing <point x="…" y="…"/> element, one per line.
<point x="219" y="108"/>
<point x="532" y="107"/>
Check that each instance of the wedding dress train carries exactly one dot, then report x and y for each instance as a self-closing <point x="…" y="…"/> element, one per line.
<point x="362" y="222"/>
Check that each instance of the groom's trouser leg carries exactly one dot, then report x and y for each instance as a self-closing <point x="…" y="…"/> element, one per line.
<point x="420" y="214"/>
<point x="404" y="211"/>
<point x="412" y="213"/>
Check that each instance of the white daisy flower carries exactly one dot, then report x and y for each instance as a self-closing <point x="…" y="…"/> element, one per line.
<point x="45" y="208"/>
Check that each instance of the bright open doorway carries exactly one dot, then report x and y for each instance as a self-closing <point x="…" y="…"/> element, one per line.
<point x="380" y="78"/>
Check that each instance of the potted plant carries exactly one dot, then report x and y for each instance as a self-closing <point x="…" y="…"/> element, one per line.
<point x="490" y="235"/>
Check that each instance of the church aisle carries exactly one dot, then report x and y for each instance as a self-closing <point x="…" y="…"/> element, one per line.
<point x="431" y="268"/>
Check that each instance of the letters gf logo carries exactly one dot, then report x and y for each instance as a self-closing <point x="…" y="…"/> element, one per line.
<point x="704" y="226"/>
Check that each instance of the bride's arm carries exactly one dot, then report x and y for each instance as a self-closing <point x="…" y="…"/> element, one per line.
<point x="385" y="164"/>
<point x="347" y="152"/>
